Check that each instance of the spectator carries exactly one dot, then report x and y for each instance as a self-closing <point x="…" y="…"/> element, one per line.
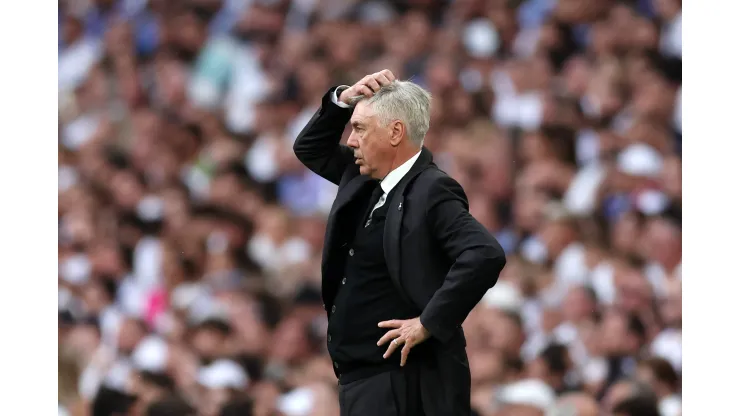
<point x="660" y="375"/>
<point x="578" y="404"/>
<point x="170" y="406"/>
<point x="634" y="406"/>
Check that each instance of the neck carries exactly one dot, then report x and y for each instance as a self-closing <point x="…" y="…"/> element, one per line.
<point x="402" y="156"/>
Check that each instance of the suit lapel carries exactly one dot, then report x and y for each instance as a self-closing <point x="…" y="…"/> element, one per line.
<point x="344" y="196"/>
<point x="393" y="220"/>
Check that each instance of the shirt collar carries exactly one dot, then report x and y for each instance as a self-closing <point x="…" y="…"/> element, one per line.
<point x="394" y="177"/>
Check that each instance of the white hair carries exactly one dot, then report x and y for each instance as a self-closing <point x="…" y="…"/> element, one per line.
<point x="404" y="101"/>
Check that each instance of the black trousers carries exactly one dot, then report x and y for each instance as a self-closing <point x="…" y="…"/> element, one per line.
<point x="392" y="393"/>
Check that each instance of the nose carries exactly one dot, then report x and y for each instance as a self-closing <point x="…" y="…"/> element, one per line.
<point x="352" y="141"/>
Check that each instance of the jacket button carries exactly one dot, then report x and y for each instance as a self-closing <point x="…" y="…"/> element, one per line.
<point x="344" y="280"/>
<point x="351" y="252"/>
<point x="333" y="308"/>
<point x="328" y="338"/>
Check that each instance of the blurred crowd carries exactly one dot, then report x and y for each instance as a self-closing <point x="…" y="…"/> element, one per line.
<point x="190" y="236"/>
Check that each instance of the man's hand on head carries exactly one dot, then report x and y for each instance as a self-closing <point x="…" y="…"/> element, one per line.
<point x="367" y="86"/>
<point x="409" y="332"/>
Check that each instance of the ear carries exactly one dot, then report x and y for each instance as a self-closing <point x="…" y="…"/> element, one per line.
<point x="398" y="131"/>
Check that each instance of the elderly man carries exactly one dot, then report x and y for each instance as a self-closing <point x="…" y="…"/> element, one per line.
<point x="404" y="262"/>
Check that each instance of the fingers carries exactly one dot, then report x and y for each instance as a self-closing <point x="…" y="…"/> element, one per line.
<point x="364" y="90"/>
<point x="389" y="336"/>
<point x="405" y="352"/>
<point x="382" y="79"/>
<point x="371" y="84"/>
<point x="394" y="344"/>
<point x="395" y="323"/>
<point x="388" y="75"/>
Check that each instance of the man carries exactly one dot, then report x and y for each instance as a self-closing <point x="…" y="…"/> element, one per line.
<point x="636" y="406"/>
<point x="660" y="375"/>
<point x="404" y="262"/>
<point x="578" y="404"/>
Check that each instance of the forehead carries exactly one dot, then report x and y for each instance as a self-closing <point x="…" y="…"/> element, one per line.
<point x="363" y="113"/>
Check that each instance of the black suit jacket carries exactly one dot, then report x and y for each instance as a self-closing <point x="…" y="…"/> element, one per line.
<point x="439" y="257"/>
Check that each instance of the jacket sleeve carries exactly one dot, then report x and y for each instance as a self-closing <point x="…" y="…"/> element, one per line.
<point x="318" y="147"/>
<point x="478" y="259"/>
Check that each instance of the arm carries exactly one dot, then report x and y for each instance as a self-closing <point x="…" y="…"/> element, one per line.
<point x="479" y="259"/>
<point x="318" y="147"/>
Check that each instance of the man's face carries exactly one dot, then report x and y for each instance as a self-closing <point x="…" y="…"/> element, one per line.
<point x="645" y="375"/>
<point x="617" y="392"/>
<point x="130" y="333"/>
<point x="578" y="305"/>
<point x="614" y="330"/>
<point x="370" y="142"/>
<point x="208" y="343"/>
<point x="671" y="305"/>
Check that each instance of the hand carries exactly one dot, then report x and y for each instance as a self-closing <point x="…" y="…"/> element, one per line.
<point x="367" y="86"/>
<point x="409" y="332"/>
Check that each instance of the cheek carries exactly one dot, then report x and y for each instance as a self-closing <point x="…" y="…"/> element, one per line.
<point x="368" y="146"/>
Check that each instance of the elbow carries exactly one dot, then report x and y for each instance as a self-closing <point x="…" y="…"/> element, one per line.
<point x="298" y="147"/>
<point x="494" y="264"/>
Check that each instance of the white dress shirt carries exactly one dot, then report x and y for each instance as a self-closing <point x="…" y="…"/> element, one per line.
<point x="394" y="177"/>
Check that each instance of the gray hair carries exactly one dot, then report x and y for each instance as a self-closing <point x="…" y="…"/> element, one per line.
<point x="404" y="101"/>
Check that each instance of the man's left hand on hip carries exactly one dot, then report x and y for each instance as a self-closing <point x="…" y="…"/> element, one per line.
<point x="409" y="332"/>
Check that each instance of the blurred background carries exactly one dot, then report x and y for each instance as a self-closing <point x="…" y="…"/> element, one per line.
<point x="190" y="236"/>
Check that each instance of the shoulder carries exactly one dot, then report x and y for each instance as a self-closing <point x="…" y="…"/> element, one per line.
<point x="436" y="186"/>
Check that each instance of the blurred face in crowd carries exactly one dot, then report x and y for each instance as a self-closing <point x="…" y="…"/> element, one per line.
<point x="506" y="333"/>
<point x="486" y="366"/>
<point x="83" y="339"/>
<point x="95" y="298"/>
<point x="671" y="305"/>
<point x="634" y="293"/>
<point x="129" y="335"/>
<point x="373" y="143"/>
<point x="519" y="410"/>
<point x="671" y="177"/>
<point x="579" y="404"/>
<point x="557" y="235"/>
<point x="107" y="260"/>
<point x="189" y="35"/>
<point x="661" y="242"/>
<point x="209" y="343"/>
<point x="176" y="208"/>
<point x="127" y="189"/>
<point x="215" y="399"/>
<point x="289" y="342"/>
<point x="72" y="30"/>
<point x="617" y="339"/>
<point x="618" y="392"/>
<point x="659" y="375"/>
<point x="275" y="223"/>
<point x="528" y="206"/>
<point x="626" y="233"/>
<point x="578" y="305"/>
<point x="667" y="9"/>
<point x="654" y="97"/>
<point x="482" y="210"/>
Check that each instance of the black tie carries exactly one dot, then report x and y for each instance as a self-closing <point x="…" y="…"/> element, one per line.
<point x="374" y="198"/>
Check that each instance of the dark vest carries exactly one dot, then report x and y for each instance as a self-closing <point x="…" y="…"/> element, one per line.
<point x="365" y="297"/>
